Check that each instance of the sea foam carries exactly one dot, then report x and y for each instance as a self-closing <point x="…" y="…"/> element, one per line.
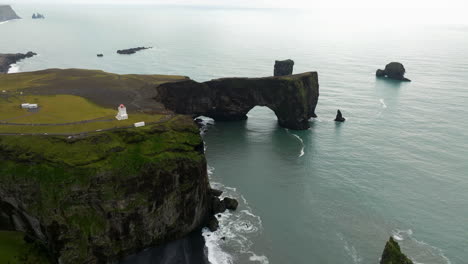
<point x="14" y="68"/>
<point x="231" y="241"/>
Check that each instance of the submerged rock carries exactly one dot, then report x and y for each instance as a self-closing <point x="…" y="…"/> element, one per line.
<point x="283" y="68"/>
<point x="393" y="70"/>
<point x="392" y="254"/>
<point x="339" y="117"/>
<point x="293" y="98"/>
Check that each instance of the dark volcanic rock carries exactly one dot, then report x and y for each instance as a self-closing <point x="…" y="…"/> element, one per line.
<point x="293" y="98"/>
<point x="284" y="67"/>
<point x="132" y="50"/>
<point x="38" y="16"/>
<point x="392" y="254"/>
<point x="100" y="55"/>
<point x="7" y="59"/>
<point x="213" y="223"/>
<point x="7" y="13"/>
<point x="339" y="117"/>
<point x="215" y="192"/>
<point x="217" y="206"/>
<point x="393" y="70"/>
<point x="230" y="203"/>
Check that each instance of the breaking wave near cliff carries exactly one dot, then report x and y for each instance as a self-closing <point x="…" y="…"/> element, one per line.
<point x="419" y="251"/>
<point x="232" y="242"/>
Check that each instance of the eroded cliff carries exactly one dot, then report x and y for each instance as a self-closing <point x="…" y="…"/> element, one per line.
<point x="98" y="197"/>
<point x="7" y="13"/>
<point x="293" y="98"/>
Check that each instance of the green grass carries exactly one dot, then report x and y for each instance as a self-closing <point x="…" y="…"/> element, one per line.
<point x="14" y="250"/>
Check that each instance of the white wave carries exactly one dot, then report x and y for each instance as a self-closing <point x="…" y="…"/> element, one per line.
<point x="421" y="251"/>
<point x="382" y="102"/>
<point x="350" y="250"/>
<point x="262" y="259"/>
<point x="234" y="231"/>
<point x="300" y="140"/>
<point x="14" y="68"/>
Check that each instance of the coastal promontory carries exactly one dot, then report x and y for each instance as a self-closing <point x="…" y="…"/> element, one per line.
<point x="6" y="60"/>
<point x="86" y="187"/>
<point x="293" y="98"/>
<point x="7" y="13"/>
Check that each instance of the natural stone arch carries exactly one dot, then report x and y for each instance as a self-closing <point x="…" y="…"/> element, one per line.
<point x="292" y="98"/>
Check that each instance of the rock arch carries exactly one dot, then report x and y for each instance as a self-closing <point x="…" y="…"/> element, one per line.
<point x="292" y="98"/>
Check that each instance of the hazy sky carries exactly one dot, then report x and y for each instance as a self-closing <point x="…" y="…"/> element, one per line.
<point x="452" y="4"/>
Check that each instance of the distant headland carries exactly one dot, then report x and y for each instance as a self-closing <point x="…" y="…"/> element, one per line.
<point x="6" y="60"/>
<point x="7" y="13"/>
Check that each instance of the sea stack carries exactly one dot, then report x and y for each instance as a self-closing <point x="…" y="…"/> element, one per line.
<point x="393" y="70"/>
<point x="339" y="117"/>
<point x="100" y="55"/>
<point x="7" y="13"/>
<point x="284" y="67"/>
<point x="392" y="254"/>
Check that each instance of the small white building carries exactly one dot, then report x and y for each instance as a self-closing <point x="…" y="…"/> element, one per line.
<point x="29" y="106"/>
<point x="140" y="124"/>
<point x="122" y="114"/>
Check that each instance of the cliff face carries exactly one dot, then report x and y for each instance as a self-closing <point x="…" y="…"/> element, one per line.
<point x="293" y="98"/>
<point x="7" y="13"/>
<point x="392" y="254"/>
<point x="7" y="59"/>
<point x="99" y="197"/>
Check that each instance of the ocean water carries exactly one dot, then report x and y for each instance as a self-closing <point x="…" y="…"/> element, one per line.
<point x="331" y="194"/>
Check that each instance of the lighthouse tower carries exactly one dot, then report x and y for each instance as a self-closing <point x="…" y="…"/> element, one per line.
<point x="122" y="114"/>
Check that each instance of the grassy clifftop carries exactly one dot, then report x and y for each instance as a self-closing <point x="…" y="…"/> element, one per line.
<point x="89" y="188"/>
<point x="102" y="196"/>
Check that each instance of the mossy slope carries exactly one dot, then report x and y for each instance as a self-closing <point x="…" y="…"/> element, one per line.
<point x="392" y="254"/>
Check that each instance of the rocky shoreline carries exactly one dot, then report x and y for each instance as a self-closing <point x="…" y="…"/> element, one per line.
<point x="6" y="60"/>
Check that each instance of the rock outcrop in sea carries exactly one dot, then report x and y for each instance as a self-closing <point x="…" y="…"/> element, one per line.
<point x="283" y="68"/>
<point x="7" y="13"/>
<point x="132" y="50"/>
<point x="38" y="16"/>
<point x="293" y="98"/>
<point x="393" y="70"/>
<point x="7" y="59"/>
<point x="392" y="254"/>
<point x="339" y="117"/>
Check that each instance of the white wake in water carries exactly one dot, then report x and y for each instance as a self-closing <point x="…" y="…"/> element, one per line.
<point x="300" y="140"/>
<point x="350" y="250"/>
<point x="382" y="102"/>
<point x="419" y="251"/>
<point x="234" y="231"/>
<point x="14" y="68"/>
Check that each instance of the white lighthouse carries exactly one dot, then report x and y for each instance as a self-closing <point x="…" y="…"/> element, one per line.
<point x="122" y="114"/>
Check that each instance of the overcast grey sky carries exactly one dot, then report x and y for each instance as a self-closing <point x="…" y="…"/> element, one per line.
<point x="452" y="4"/>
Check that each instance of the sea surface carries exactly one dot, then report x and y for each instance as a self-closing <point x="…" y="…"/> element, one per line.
<point x="331" y="194"/>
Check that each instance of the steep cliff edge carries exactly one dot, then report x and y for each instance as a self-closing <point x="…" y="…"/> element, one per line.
<point x="7" y="13"/>
<point x="293" y="98"/>
<point x="392" y="254"/>
<point x="98" y="197"/>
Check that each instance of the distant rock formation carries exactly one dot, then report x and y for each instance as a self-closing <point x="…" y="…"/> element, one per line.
<point x="293" y="98"/>
<point x="38" y="16"/>
<point x="283" y="68"/>
<point x="393" y="70"/>
<point x="7" y="59"/>
<point x="392" y="254"/>
<point x="339" y="117"/>
<point x="132" y="50"/>
<point x="100" y="55"/>
<point x="7" y="13"/>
